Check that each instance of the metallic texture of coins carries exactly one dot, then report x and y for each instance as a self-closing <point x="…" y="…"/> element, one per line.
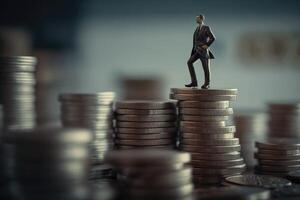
<point x="42" y="167"/>
<point x="284" y="120"/>
<point x="294" y="176"/>
<point x="153" y="174"/>
<point x="264" y="181"/>
<point x="206" y="134"/>
<point x="277" y="156"/>
<point x="145" y="124"/>
<point x="95" y="113"/>
<point x="17" y="90"/>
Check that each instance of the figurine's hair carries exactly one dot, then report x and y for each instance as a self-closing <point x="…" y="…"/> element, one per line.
<point x="201" y="16"/>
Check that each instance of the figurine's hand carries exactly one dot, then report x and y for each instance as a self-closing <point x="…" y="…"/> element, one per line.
<point x="204" y="46"/>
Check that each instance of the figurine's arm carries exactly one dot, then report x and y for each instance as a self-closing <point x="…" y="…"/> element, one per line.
<point x="211" y="37"/>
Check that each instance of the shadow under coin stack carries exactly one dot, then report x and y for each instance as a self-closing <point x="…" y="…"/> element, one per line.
<point x="93" y="112"/>
<point x="284" y="120"/>
<point x="17" y="91"/>
<point x="205" y="134"/>
<point x="145" y="124"/>
<point x="153" y="174"/>
<point x="278" y="156"/>
<point x="51" y="163"/>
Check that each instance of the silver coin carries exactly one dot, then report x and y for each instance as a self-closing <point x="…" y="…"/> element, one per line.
<point x="218" y="163"/>
<point x="203" y="124"/>
<point x="263" y="181"/>
<point x="203" y="118"/>
<point x="204" y="92"/>
<point x="270" y="168"/>
<point x="145" y="105"/>
<point x="206" y="112"/>
<point x="223" y="172"/>
<point x="216" y="157"/>
<point x="204" y="104"/>
<point x="294" y="176"/>
<point x="146" y="130"/>
<point x="146" y="136"/>
<point x="276" y="156"/>
<point x="215" y="142"/>
<point x="155" y="147"/>
<point x="200" y="97"/>
<point x="123" y="111"/>
<point x="196" y="136"/>
<point x="145" y="124"/>
<point x="211" y="130"/>
<point x="208" y="149"/>
<point x="144" y="142"/>
<point x="279" y="162"/>
<point x="279" y="152"/>
<point x="146" y="118"/>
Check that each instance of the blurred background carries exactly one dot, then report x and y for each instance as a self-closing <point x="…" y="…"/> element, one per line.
<point x="139" y="48"/>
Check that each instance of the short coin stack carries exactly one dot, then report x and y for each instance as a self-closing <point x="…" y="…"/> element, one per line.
<point x="17" y="91"/>
<point x="206" y="135"/>
<point x="93" y="112"/>
<point x="284" y="120"/>
<point x="51" y="163"/>
<point x="145" y="124"/>
<point x="153" y="174"/>
<point x="250" y="127"/>
<point x="278" y="156"/>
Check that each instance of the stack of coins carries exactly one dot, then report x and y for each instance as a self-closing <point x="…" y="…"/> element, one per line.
<point x="205" y="134"/>
<point x="250" y="127"/>
<point x="17" y="91"/>
<point x="51" y="163"/>
<point x="93" y="112"/>
<point x="278" y="156"/>
<point x="284" y="120"/>
<point x="145" y="124"/>
<point x="153" y="174"/>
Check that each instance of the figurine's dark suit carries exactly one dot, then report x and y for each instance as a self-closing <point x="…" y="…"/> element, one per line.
<point x="202" y="36"/>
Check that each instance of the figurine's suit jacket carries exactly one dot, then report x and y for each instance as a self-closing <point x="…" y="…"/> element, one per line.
<point x="204" y="36"/>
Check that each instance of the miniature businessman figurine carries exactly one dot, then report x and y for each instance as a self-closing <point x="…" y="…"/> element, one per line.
<point x="203" y="38"/>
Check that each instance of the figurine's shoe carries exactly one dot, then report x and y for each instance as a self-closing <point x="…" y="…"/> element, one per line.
<point x="205" y="86"/>
<point x="193" y="84"/>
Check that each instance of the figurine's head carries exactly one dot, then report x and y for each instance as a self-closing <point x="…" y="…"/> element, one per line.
<point x="199" y="19"/>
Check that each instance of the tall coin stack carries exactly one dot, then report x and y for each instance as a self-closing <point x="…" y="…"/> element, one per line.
<point x="153" y="174"/>
<point x="205" y="134"/>
<point x="17" y="91"/>
<point x="284" y="120"/>
<point x="93" y="112"/>
<point x="250" y="127"/>
<point x="145" y="124"/>
<point x="277" y="156"/>
<point x="51" y="163"/>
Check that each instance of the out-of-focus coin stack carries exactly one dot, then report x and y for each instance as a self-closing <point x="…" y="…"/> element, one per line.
<point x="250" y="127"/>
<point x="17" y="91"/>
<point x="284" y="120"/>
<point x="145" y="124"/>
<point x="51" y="163"/>
<point x="278" y="156"/>
<point x="206" y="135"/>
<point x="93" y="112"/>
<point x="153" y="174"/>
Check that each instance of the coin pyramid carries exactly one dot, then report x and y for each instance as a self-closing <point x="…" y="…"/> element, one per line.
<point x="145" y="124"/>
<point x="204" y="132"/>
<point x="95" y="113"/>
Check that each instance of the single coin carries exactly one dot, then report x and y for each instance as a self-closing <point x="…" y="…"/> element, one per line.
<point x="206" y="112"/>
<point x="294" y="176"/>
<point x="279" y="162"/>
<point x="145" y="124"/>
<point x="147" y="130"/>
<point x="123" y="111"/>
<point x="279" y="144"/>
<point x="146" y="118"/>
<point x="158" y="147"/>
<point x="223" y="172"/>
<point x="216" y="157"/>
<point x="196" y="136"/>
<point x="146" y="136"/>
<point x="208" y="149"/>
<point x="279" y="152"/>
<point x="263" y="181"/>
<point x="144" y="142"/>
<point x="204" y="104"/>
<point x="218" y="163"/>
<point x="270" y="168"/>
<point x="200" y="97"/>
<point x="145" y="105"/>
<point x="202" y="124"/>
<point x="196" y="118"/>
<point x="210" y="130"/>
<point x="204" y="92"/>
<point x="215" y="142"/>
<point x="276" y="156"/>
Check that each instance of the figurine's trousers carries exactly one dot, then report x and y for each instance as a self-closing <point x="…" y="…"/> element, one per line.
<point x="205" y="66"/>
